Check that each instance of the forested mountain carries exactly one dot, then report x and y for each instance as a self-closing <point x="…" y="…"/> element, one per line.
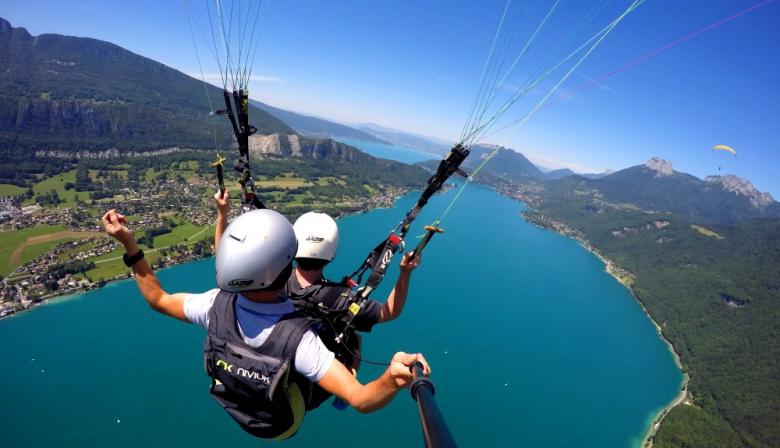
<point x="713" y="290"/>
<point x="656" y="186"/>
<point x="316" y="127"/>
<point x="62" y="95"/>
<point x="559" y="174"/>
<point x="596" y="175"/>
<point x="653" y="186"/>
<point x="71" y="93"/>
<point x="507" y="164"/>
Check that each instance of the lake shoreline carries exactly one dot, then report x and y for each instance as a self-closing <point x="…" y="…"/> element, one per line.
<point x="626" y="279"/>
<point x="618" y="274"/>
<point x="49" y="301"/>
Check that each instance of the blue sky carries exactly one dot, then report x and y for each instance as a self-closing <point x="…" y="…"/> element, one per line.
<point x="416" y="66"/>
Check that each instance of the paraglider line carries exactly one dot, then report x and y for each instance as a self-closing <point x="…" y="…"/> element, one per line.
<point x="482" y="129"/>
<point x="538" y="106"/>
<point x="593" y="83"/>
<point x="670" y="45"/>
<point x="202" y="76"/>
<point x="517" y="60"/>
<point x="252" y="40"/>
<point x="488" y="63"/>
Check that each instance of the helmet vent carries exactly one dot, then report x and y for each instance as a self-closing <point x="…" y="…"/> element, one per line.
<point x="238" y="234"/>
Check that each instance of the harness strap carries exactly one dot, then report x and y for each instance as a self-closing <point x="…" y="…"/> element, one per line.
<point x="378" y="259"/>
<point x="239" y="121"/>
<point x="382" y="260"/>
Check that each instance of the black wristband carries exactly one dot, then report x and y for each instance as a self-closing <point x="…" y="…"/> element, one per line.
<point x="129" y="261"/>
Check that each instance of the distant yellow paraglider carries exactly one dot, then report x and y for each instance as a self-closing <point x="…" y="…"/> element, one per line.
<point x="728" y="149"/>
<point x="725" y="148"/>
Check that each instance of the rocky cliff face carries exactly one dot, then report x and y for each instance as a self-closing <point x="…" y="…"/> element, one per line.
<point x="743" y="187"/>
<point x="78" y="116"/>
<point x="265" y="144"/>
<point x="294" y="145"/>
<point x="660" y="166"/>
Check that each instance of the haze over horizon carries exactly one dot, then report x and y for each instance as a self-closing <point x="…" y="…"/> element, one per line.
<point x="417" y="68"/>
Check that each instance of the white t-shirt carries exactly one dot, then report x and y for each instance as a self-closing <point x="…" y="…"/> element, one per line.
<point x="256" y="321"/>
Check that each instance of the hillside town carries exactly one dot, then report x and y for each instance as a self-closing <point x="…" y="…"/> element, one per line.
<point x="155" y="208"/>
<point x="165" y="207"/>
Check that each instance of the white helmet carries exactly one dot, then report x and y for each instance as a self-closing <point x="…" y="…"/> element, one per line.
<point x="255" y="249"/>
<point x="318" y="236"/>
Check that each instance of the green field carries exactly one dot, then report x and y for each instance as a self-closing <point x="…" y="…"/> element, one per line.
<point x="107" y="256"/>
<point x="150" y="174"/>
<point x="32" y="252"/>
<point x="181" y="234"/>
<point x="57" y="183"/>
<point x="184" y="233"/>
<point x="10" y="190"/>
<point x="10" y="240"/>
<point x="120" y="173"/>
<point x="186" y="169"/>
<point x="115" y="266"/>
<point x="284" y="182"/>
<point x="330" y="180"/>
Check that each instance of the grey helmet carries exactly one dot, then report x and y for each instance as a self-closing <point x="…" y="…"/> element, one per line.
<point x="255" y="248"/>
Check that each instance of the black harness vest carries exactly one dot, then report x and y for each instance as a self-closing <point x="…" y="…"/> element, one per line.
<point x="310" y="301"/>
<point x="258" y="387"/>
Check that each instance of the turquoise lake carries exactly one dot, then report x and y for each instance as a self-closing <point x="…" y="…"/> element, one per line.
<point x="383" y="151"/>
<point x="531" y="344"/>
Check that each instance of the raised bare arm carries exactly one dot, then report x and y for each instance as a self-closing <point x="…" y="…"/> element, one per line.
<point x="397" y="298"/>
<point x="159" y="300"/>
<point x="223" y="208"/>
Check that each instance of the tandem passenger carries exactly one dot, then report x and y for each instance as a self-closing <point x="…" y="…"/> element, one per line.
<point x="262" y="356"/>
<point x="318" y="239"/>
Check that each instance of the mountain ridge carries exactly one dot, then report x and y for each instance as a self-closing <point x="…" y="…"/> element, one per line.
<point x="741" y="186"/>
<point x="407" y="139"/>
<point x="63" y="98"/>
<point x="653" y="186"/>
<point x="75" y="93"/>
<point x="656" y="186"/>
<point x="314" y="126"/>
